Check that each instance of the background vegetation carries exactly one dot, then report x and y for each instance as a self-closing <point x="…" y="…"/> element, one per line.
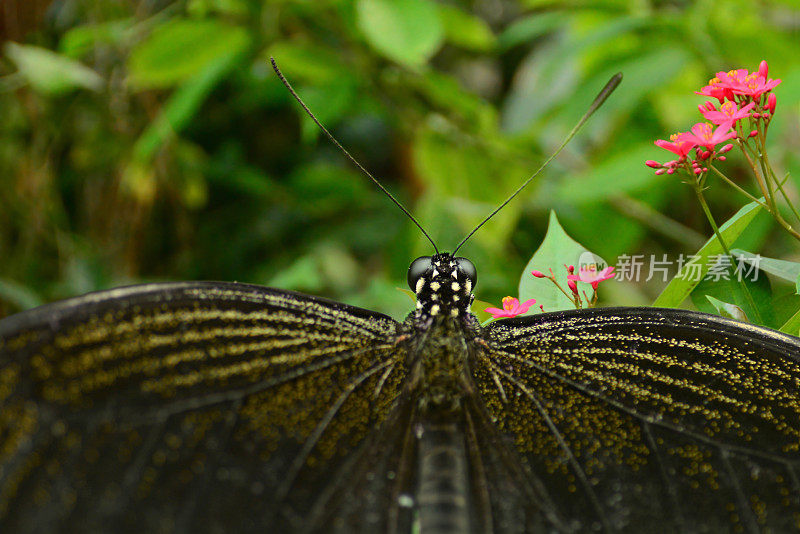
<point x="150" y="140"/>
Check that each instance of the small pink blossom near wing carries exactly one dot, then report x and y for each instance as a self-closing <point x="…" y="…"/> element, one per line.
<point x="591" y="275"/>
<point x="511" y="308"/>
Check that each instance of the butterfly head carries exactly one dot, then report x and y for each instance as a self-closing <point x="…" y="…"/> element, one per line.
<point x="443" y="285"/>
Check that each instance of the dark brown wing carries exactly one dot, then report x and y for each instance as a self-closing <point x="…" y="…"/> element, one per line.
<point x="643" y="419"/>
<point x="199" y="407"/>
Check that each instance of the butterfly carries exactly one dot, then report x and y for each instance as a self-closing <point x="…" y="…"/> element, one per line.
<point x="228" y="407"/>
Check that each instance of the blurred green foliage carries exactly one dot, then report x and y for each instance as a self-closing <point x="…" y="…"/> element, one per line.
<point x="151" y="141"/>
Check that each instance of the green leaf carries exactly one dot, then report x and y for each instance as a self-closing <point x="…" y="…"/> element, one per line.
<point x="49" y="72"/>
<point x="465" y="30"/>
<point x="792" y="325"/>
<point x="726" y="282"/>
<point x="406" y="31"/>
<point x="785" y="270"/>
<point x="410" y="294"/>
<point x="691" y="274"/>
<point x="182" y="105"/>
<point x="182" y="49"/>
<point x="726" y="309"/>
<point x="557" y="249"/>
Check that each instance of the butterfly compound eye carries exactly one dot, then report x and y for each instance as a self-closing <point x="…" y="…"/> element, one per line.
<point x="467" y="269"/>
<point x="418" y="268"/>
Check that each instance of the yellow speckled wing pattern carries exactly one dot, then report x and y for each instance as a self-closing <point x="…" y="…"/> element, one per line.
<point x="642" y="419"/>
<point x="199" y="407"/>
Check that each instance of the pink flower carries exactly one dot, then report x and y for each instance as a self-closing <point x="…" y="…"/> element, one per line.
<point x="703" y="135"/>
<point x="591" y="275"/>
<point x="511" y="308"/>
<point x="753" y="84"/>
<point x="678" y="143"/>
<point x="714" y="89"/>
<point x="727" y="113"/>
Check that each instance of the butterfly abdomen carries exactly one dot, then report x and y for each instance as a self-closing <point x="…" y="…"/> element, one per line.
<point x="442" y="495"/>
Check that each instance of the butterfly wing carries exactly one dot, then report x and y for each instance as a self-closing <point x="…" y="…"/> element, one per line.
<point x="202" y="407"/>
<point x="642" y="419"/>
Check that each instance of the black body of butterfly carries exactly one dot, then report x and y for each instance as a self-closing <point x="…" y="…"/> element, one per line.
<point x="221" y="407"/>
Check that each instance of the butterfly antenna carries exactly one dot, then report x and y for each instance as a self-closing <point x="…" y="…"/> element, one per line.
<point x="598" y="101"/>
<point x="346" y="153"/>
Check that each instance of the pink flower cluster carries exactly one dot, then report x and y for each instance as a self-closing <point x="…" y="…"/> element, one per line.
<point x="588" y="274"/>
<point x="741" y="94"/>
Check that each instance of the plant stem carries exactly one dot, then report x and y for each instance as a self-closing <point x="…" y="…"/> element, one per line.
<point x="737" y="187"/>
<point x="699" y="192"/>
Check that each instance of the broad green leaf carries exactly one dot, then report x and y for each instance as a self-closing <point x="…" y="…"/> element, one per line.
<point x="182" y="49"/>
<point x="785" y="270"/>
<point x="51" y="73"/>
<point x="729" y="284"/>
<point x="410" y="294"/>
<point x="691" y="274"/>
<point x="465" y="30"/>
<point x="406" y="31"/>
<point x="182" y="105"/>
<point x="557" y="249"/>
<point x="792" y="325"/>
<point x="726" y="309"/>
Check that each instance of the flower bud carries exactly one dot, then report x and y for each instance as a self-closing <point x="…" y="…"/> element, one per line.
<point x="725" y="148"/>
<point x="573" y="286"/>
<point x="661" y="171"/>
<point x="571" y="269"/>
<point x="763" y="69"/>
<point x="538" y="274"/>
<point x="771" y="101"/>
<point x="653" y="164"/>
<point x="753" y="133"/>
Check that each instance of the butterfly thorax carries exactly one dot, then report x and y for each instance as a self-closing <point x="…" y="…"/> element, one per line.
<point x="443" y="324"/>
